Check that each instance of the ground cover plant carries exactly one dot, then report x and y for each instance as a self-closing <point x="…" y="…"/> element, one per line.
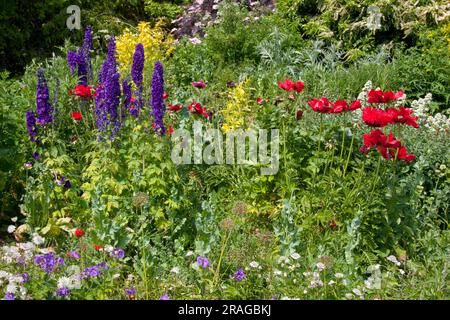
<point x="356" y="202"/>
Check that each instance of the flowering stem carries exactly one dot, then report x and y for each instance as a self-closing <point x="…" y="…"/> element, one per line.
<point x="348" y="156"/>
<point x="224" y="244"/>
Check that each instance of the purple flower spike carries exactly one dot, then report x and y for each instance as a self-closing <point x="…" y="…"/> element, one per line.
<point x="43" y="108"/>
<point x="138" y="65"/>
<point x="203" y="262"/>
<point x="31" y="125"/>
<point x="157" y="98"/>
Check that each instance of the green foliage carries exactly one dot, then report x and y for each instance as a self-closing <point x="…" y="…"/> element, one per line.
<point x="161" y="8"/>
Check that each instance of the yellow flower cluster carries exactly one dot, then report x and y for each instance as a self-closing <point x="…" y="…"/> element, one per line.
<point x="237" y="108"/>
<point x="157" y="45"/>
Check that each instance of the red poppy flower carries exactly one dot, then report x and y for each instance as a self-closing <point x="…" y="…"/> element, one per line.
<point x="77" y="116"/>
<point x="259" y="100"/>
<point x="378" y="96"/>
<point x="199" y="84"/>
<point x="79" y="233"/>
<point x="299" y="114"/>
<point x="376" y="117"/>
<point x="82" y="91"/>
<point x="175" y="107"/>
<point x="339" y="106"/>
<point x="98" y="247"/>
<point x="196" y="108"/>
<point x="288" y="85"/>
<point x="321" y="105"/>
<point x="402" y="154"/>
<point x="356" y="104"/>
<point x="389" y="146"/>
<point x="170" y="131"/>
<point x="165" y="95"/>
<point x="403" y="115"/>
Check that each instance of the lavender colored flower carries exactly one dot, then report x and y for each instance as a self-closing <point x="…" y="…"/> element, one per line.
<point x="118" y="253"/>
<point x="239" y="275"/>
<point x="28" y="165"/>
<point x="31" y="125"/>
<point x="36" y="155"/>
<point x="165" y="297"/>
<point x="62" y="292"/>
<point x="138" y="65"/>
<point x="74" y="254"/>
<point x="91" y="272"/>
<point x="25" y="277"/>
<point x="9" y="296"/>
<point x="103" y="265"/>
<point x="81" y="58"/>
<point x="130" y="292"/>
<point x="48" y="262"/>
<point x="203" y="262"/>
<point x="157" y="98"/>
<point x="43" y="108"/>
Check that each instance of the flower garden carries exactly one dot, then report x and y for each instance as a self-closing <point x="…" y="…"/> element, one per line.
<point x="94" y="207"/>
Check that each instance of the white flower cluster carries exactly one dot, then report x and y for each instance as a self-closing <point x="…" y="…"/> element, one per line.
<point x="363" y="95"/>
<point x="437" y="123"/>
<point x="13" y="284"/>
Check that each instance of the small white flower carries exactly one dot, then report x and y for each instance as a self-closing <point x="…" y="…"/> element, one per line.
<point x="320" y="266"/>
<point x="116" y="276"/>
<point x="175" y="270"/>
<point x="357" y="292"/>
<point x="295" y="256"/>
<point x="64" y="282"/>
<point x="283" y="259"/>
<point x="189" y="253"/>
<point x="402" y="272"/>
<point x="14" y="219"/>
<point x="37" y="239"/>
<point x="348" y="296"/>
<point x="306" y="274"/>
<point x="195" y="40"/>
<point x="277" y="272"/>
<point x="339" y="275"/>
<point x="305" y="291"/>
<point x="109" y="248"/>
<point x="332" y="282"/>
<point x="368" y="284"/>
<point x="345" y="282"/>
<point x="254" y="264"/>
<point x="11" y="288"/>
<point x="393" y="259"/>
<point x="11" y="229"/>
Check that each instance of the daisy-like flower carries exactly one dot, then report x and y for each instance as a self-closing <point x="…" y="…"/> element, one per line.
<point x="254" y="264"/>
<point x="295" y="256"/>
<point x="37" y="239"/>
<point x="320" y="266"/>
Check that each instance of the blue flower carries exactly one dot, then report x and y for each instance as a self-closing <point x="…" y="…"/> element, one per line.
<point x="62" y="292"/>
<point x="165" y="297"/>
<point x="203" y="262"/>
<point x="9" y="296"/>
<point x="239" y="275"/>
<point x="118" y="253"/>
